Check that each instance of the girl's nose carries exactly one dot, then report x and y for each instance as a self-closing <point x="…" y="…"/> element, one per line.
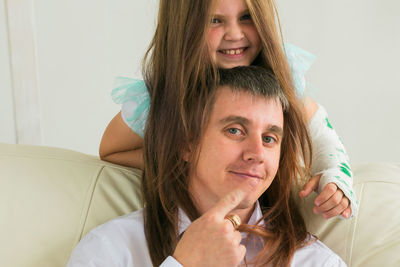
<point x="234" y="32"/>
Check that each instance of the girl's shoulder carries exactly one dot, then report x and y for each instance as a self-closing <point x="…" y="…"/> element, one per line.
<point x="128" y="89"/>
<point x="135" y="100"/>
<point x="299" y="61"/>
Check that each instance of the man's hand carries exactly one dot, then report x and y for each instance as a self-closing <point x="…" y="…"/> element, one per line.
<point x="330" y="202"/>
<point x="211" y="240"/>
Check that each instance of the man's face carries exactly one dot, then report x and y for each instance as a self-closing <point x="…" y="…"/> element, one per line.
<point x="240" y="147"/>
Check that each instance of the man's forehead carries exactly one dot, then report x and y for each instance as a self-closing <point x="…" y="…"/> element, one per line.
<point x="235" y="93"/>
<point x="226" y="95"/>
<point x="243" y="106"/>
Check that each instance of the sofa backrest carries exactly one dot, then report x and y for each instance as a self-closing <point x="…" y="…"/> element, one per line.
<point x="50" y="198"/>
<point x="371" y="239"/>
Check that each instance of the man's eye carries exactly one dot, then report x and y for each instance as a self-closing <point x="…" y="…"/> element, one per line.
<point x="269" y="139"/>
<point x="234" y="131"/>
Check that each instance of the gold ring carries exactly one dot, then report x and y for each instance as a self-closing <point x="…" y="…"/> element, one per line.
<point x="234" y="219"/>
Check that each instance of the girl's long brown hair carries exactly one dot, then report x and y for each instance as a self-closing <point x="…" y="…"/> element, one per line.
<point x="180" y="77"/>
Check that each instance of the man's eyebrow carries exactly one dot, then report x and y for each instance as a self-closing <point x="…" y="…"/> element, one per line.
<point x="236" y="119"/>
<point x="276" y="130"/>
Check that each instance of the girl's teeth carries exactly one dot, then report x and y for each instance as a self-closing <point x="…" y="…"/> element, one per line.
<point x="233" y="51"/>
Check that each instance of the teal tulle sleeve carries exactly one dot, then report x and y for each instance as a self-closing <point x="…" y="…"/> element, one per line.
<point x="299" y="62"/>
<point x="135" y="100"/>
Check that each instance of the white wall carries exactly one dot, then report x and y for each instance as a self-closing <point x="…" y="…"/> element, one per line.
<point x="7" y="127"/>
<point x="357" y="70"/>
<point x="78" y="49"/>
<point x="80" y="46"/>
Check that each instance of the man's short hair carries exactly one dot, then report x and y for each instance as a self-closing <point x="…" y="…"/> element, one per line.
<point x="255" y="80"/>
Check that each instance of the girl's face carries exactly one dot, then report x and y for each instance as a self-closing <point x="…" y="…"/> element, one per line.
<point x="233" y="39"/>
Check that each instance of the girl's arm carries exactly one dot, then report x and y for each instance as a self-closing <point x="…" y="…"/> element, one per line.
<point x="310" y="107"/>
<point x="121" y="145"/>
<point x="332" y="175"/>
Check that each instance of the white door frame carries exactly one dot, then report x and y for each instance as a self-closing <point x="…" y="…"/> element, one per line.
<point x="20" y="16"/>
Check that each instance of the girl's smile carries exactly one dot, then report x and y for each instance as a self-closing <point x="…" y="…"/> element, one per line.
<point x="233" y="39"/>
<point x="233" y="52"/>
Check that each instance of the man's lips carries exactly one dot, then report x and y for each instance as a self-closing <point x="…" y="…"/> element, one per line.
<point x="245" y="174"/>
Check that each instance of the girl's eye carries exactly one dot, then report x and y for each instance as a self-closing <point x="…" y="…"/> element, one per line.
<point x="215" y="21"/>
<point x="246" y="17"/>
<point x="269" y="139"/>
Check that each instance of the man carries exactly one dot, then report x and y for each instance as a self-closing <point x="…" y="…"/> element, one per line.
<point x="229" y="160"/>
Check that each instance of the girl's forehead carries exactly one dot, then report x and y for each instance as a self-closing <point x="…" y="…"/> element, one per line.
<point x="227" y="6"/>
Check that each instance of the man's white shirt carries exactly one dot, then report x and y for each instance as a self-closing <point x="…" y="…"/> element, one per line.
<point x="121" y="242"/>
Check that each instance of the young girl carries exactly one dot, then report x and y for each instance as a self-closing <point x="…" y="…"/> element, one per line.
<point x="237" y="33"/>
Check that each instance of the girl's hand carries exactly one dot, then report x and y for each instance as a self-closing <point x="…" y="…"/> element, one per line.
<point x="330" y="202"/>
<point x="211" y="240"/>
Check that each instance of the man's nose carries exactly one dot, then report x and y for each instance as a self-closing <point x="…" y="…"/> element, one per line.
<point x="234" y="32"/>
<point x="254" y="150"/>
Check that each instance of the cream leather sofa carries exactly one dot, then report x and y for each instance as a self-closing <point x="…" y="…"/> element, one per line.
<point x="50" y="198"/>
